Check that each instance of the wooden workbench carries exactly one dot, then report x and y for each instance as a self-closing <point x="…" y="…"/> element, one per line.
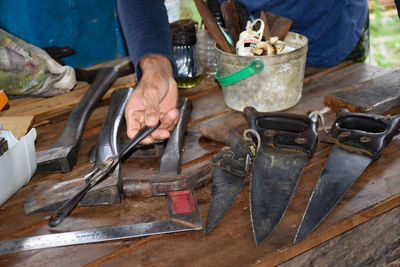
<point x="374" y="198"/>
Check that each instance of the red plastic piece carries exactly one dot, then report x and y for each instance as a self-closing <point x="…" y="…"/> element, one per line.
<point x="181" y="202"/>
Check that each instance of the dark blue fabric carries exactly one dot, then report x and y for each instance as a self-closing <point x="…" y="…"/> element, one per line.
<point x="332" y="27"/>
<point x="146" y="29"/>
<point x="398" y="7"/>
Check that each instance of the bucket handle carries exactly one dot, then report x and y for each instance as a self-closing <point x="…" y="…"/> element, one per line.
<point x="254" y="67"/>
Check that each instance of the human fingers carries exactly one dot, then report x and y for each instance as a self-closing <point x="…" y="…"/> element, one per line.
<point x="134" y="115"/>
<point x="152" y="110"/>
<point x="168" y="122"/>
<point x="169" y="112"/>
<point x="170" y="119"/>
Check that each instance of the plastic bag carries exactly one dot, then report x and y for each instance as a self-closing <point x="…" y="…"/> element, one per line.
<point x="28" y="70"/>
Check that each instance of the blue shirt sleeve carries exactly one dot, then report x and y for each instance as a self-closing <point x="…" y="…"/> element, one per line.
<point x="146" y="29"/>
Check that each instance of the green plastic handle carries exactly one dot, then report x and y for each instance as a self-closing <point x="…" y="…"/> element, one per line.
<point x="254" y="67"/>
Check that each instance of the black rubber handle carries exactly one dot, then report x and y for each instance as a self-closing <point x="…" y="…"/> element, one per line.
<point x="66" y="209"/>
<point x="76" y="122"/>
<point x="287" y="131"/>
<point x="364" y="133"/>
<point x="143" y="133"/>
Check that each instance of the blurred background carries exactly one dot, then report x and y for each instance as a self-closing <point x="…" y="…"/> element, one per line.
<point x="384" y="34"/>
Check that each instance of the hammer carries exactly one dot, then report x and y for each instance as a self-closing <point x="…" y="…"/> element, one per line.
<point x="61" y="156"/>
<point x="49" y="195"/>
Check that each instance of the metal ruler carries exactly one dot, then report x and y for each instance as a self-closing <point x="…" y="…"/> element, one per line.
<point x="184" y="216"/>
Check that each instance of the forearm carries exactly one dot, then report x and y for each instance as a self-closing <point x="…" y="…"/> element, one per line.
<point x="146" y="29"/>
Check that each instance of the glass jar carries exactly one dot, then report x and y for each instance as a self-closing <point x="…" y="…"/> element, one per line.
<point x="189" y="71"/>
<point x="206" y="50"/>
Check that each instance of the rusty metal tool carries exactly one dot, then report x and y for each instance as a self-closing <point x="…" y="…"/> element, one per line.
<point x="287" y="141"/>
<point x="49" y="195"/>
<point x="184" y="215"/>
<point x="212" y="26"/>
<point x="170" y="176"/>
<point x="359" y="139"/>
<point x="244" y="16"/>
<point x="231" y="166"/>
<point x="275" y="25"/>
<point x="61" y="156"/>
<point x="231" y="20"/>
<point x="103" y="170"/>
<point x="154" y="150"/>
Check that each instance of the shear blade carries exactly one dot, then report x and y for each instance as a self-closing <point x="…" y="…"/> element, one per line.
<point x="340" y="172"/>
<point x="225" y="189"/>
<point x="274" y="178"/>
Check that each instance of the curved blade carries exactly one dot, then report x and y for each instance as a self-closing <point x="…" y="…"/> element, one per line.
<point x="340" y="172"/>
<point x="225" y="189"/>
<point x="274" y="177"/>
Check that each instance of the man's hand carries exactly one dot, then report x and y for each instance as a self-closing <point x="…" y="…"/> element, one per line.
<point x="154" y="98"/>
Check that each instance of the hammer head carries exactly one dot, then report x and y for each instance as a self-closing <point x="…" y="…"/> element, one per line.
<point x="58" y="159"/>
<point x="50" y="195"/>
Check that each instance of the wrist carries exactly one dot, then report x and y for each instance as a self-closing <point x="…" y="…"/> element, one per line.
<point x="155" y="63"/>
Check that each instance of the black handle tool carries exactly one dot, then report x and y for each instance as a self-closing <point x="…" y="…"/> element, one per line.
<point x="105" y="168"/>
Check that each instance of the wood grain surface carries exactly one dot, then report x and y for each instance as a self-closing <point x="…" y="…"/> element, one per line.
<point x="18" y="125"/>
<point x="231" y="243"/>
<point x="378" y="95"/>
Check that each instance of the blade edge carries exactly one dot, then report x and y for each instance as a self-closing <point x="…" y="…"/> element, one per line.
<point x="225" y="189"/>
<point x="351" y="166"/>
<point x="275" y="176"/>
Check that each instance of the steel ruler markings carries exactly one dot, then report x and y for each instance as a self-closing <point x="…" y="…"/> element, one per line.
<point x="92" y="236"/>
<point x="184" y="216"/>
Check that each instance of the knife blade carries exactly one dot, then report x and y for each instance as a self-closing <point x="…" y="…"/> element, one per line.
<point x="287" y="141"/>
<point x="230" y="170"/>
<point x="359" y="139"/>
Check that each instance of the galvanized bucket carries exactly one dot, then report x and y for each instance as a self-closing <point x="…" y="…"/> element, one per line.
<point x="267" y="83"/>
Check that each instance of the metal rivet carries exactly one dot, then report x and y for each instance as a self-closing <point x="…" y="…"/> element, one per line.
<point x="300" y="140"/>
<point x="344" y="134"/>
<point x="269" y="132"/>
<point x="365" y="139"/>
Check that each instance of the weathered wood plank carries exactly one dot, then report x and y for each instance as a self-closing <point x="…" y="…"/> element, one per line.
<point x="47" y="108"/>
<point x="377" y="95"/>
<point x="231" y="243"/>
<point x="373" y="243"/>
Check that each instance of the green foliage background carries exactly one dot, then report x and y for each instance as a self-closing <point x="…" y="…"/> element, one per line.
<point x="384" y="38"/>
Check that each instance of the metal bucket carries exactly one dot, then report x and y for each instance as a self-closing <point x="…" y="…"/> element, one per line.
<point x="267" y="83"/>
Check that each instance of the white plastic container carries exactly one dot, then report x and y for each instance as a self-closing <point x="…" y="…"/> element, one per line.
<point x="17" y="164"/>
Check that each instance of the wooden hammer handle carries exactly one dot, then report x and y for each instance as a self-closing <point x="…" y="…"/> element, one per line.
<point x="212" y="26"/>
